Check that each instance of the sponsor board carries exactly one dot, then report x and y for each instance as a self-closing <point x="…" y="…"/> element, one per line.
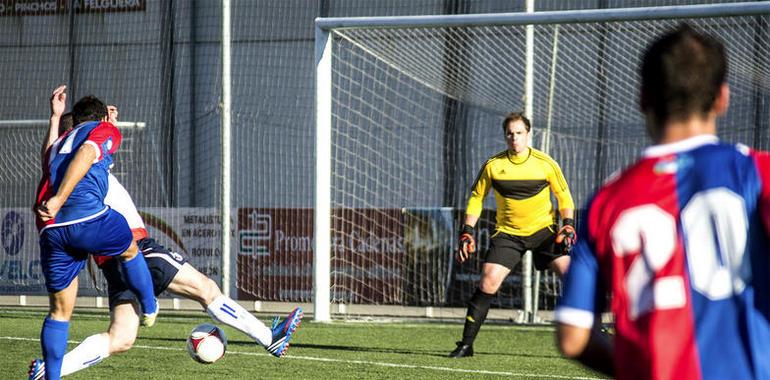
<point x="385" y="256"/>
<point x="50" y="7"/>
<point x="193" y="232"/>
<point x="19" y="257"/>
<point x="275" y="255"/>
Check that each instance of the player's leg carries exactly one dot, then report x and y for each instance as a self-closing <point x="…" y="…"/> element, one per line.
<point x="111" y="236"/>
<point x="504" y="253"/>
<point x="121" y="335"/>
<point x="124" y="326"/>
<point x="191" y="284"/>
<point x="171" y="272"/>
<point x="492" y="277"/>
<point x="139" y="280"/>
<point x="546" y="253"/>
<point x="60" y="270"/>
<point x="560" y="265"/>
<point x="55" y="331"/>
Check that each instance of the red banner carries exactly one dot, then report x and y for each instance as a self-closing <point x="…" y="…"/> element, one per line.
<point x="275" y="255"/>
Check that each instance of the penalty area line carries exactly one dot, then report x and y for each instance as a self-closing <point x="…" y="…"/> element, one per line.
<point x="362" y="362"/>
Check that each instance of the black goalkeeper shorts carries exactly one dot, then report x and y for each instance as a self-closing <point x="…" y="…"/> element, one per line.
<point x="507" y="250"/>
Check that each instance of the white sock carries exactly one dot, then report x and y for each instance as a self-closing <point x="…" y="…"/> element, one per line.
<point x="225" y="310"/>
<point x="90" y="351"/>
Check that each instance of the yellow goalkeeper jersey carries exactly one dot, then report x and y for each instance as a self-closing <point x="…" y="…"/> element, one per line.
<point x="523" y="187"/>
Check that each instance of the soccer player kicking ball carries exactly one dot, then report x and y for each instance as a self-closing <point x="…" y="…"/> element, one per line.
<point x="74" y="221"/>
<point x="679" y="239"/>
<point x="170" y="271"/>
<point x="523" y="179"/>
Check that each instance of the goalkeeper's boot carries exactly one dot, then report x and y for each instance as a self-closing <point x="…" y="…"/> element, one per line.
<point x="462" y="350"/>
<point x="282" y="332"/>
<point x="148" y="319"/>
<point x="36" y="369"/>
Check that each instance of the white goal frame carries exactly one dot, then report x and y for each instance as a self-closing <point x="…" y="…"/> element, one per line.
<point x="323" y="101"/>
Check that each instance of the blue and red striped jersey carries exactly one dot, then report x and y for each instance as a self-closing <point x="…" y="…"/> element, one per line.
<point x="87" y="199"/>
<point x="680" y="241"/>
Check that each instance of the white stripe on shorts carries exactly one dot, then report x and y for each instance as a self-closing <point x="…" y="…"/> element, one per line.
<point x="164" y="256"/>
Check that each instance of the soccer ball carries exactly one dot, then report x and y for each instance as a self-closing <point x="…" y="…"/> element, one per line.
<point x="207" y="343"/>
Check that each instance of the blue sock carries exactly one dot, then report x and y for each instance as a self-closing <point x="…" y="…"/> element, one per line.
<point x="53" y="339"/>
<point x="138" y="279"/>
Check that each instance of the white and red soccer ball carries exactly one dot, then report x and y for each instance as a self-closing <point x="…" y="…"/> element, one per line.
<point x="207" y="343"/>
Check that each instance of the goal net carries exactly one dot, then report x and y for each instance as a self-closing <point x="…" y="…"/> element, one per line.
<point x="416" y="109"/>
<point x="127" y="53"/>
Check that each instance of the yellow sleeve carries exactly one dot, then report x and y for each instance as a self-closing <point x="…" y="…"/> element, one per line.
<point x="559" y="186"/>
<point x="479" y="191"/>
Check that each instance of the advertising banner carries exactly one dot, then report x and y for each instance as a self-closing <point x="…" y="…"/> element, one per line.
<point x="382" y="256"/>
<point x="194" y="232"/>
<point x="20" y="271"/>
<point x="51" y="7"/>
<point x="275" y="255"/>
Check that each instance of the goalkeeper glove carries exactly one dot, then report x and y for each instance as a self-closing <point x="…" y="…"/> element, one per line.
<point x="567" y="237"/>
<point x="466" y="243"/>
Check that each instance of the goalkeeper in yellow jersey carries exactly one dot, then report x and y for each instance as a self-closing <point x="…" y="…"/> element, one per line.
<point x="523" y="180"/>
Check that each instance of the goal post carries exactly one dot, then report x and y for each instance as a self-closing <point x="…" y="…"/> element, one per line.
<point x="322" y="231"/>
<point x="384" y="229"/>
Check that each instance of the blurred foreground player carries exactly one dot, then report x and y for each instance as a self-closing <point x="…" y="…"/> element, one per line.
<point x="680" y="239"/>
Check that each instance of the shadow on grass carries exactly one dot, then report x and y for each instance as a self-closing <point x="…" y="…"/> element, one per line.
<point x="441" y="354"/>
<point x="382" y="350"/>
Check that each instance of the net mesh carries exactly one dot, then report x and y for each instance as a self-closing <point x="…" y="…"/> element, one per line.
<point x="416" y="111"/>
<point x="125" y="53"/>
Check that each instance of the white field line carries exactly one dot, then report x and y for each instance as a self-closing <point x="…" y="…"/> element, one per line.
<point x="363" y="362"/>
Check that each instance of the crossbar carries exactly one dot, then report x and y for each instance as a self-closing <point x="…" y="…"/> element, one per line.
<point x="551" y="17"/>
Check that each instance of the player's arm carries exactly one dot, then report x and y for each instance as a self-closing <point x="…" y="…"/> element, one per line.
<point x="466" y="241"/>
<point x="567" y="235"/>
<point x="577" y="331"/>
<point x="588" y="346"/>
<point x="77" y="169"/>
<point x="103" y="140"/>
<point x="58" y="103"/>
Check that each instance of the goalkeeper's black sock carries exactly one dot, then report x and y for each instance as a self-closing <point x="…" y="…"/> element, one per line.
<point x="478" y="307"/>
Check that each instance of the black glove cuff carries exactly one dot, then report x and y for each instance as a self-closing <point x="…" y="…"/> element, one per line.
<point x="568" y="222"/>
<point x="466" y="229"/>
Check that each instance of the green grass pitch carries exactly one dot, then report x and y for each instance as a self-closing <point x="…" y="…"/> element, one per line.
<point x="338" y="350"/>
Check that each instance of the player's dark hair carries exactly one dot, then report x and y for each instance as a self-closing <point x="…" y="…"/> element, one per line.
<point x="516" y="116"/>
<point x="682" y="73"/>
<point x="88" y="108"/>
<point x="65" y="123"/>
